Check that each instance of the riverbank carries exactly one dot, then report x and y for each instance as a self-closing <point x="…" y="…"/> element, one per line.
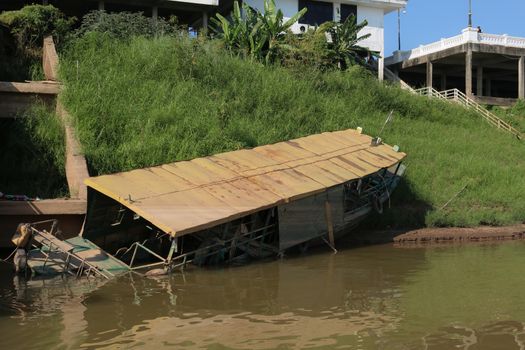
<point x="436" y="235"/>
<point x="461" y="234"/>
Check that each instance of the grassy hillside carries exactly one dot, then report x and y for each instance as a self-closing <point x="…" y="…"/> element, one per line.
<point x="514" y="115"/>
<point x="144" y="102"/>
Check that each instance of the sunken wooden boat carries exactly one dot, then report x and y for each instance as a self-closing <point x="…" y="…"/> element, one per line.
<point x="234" y="206"/>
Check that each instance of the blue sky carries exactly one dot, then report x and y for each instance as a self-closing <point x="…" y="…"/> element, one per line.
<point x="426" y="21"/>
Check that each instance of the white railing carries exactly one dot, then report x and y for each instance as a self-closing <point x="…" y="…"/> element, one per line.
<point x="459" y="97"/>
<point x="469" y="35"/>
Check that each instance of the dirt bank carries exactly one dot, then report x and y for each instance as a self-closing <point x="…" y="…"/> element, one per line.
<point x="455" y="234"/>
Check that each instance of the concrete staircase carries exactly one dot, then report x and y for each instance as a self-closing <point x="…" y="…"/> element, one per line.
<point x="454" y="95"/>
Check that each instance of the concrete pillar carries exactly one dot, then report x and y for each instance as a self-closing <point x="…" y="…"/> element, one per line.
<point x="468" y="72"/>
<point x="521" y="78"/>
<point x="430" y="73"/>
<point x="381" y="69"/>
<point x="45" y="2"/>
<point x="479" y="81"/>
<point x="488" y="89"/>
<point x="443" y="82"/>
<point x="205" y="20"/>
<point x="101" y="5"/>
<point x="155" y="13"/>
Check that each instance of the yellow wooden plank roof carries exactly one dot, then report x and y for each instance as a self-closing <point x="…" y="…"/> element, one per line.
<point x="189" y="196"/>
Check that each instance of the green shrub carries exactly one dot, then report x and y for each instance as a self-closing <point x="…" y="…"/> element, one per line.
<point x="32" y="23"/>
<point x="308" y="49"/>
<point x="124" y="25"/>
<point x="21" y="52"/>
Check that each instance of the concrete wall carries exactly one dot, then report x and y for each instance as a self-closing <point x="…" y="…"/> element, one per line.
<point x="375" y="17"/>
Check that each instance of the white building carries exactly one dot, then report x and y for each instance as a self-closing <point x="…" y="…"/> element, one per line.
<point x="319" y="12"/>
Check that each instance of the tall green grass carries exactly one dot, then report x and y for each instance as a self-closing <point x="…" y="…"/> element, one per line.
<point x="514" y="115"/>
<point x="144" y="102"/>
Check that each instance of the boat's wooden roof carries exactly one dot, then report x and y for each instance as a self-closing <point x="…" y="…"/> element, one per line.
<point x="189" y="196"/>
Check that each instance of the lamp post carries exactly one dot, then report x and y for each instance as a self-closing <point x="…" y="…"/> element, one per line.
<point x="470" y="13"/>
<point x="399" y="28"/>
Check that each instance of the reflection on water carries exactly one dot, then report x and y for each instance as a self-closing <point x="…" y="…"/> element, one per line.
<point x="380" y="297"/>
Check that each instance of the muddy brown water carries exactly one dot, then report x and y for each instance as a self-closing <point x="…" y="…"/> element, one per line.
<point x="375" y="297"/>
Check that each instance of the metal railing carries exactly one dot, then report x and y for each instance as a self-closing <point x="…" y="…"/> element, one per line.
<point x="53" y="249"/>
<point x="457" y="96"/>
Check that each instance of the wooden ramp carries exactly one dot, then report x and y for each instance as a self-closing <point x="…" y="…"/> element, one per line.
<point x="74" y="256"/>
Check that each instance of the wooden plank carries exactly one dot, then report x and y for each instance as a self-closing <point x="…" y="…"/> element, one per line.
<point x="246" y="160"/>
<point x="352" y="165"/>
<point x="43" y="207"/>
<point x="246" y="196"/>
<point x="319" y="145"/>
<point x="217" y="170"/>
<point x="324" y="177"/>
<point x="30" y="88"/>
<point x="283" y="152"/>
<point x="288" y="184"/>
<point x="337" y="170"/>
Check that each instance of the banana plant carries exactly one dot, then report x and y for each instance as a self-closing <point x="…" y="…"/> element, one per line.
<point x="274" y="25"/>
<point x="251" y="33"/>
<point x="230" y="30"/>
<point x="343" y="39"/>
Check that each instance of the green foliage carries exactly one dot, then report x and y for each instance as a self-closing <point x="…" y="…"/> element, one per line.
<point x="266" y="37"/>
<point x="340" y="51"/>
<point x="274" y="26"/>
<point x="145" y="102"/>
<point x="308" y="49"/>
<point x="252" y="33"/>
<point x="33" y="154"/>
<point x="21" y="48"/>
<point x="33" y="22"/>
<point x="241" y="33"/>
<point x="124" y="25"/>
<point x="343" y="48"/>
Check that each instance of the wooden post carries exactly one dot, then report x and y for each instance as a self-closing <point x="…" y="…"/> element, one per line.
<point x="468" y="72"/>
<point x="329" y="223"/>
<point x="430" y="73"/>
<point x="479" y="81"/>
<point x="521" y="78"/>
